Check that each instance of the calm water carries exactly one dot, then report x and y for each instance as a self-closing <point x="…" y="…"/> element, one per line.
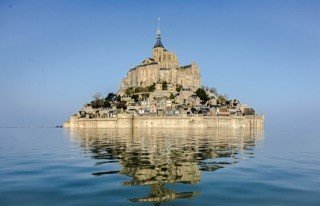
<point x="159" y="167"/>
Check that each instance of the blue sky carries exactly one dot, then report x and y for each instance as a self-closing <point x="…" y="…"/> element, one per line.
<point x="54" y="55"/>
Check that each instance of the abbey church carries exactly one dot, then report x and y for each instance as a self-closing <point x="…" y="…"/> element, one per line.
<point x="162" y="67"/>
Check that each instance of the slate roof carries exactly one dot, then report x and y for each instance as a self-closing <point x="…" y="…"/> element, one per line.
<point x="158" y="43"/>
<point x="186" y="67"/>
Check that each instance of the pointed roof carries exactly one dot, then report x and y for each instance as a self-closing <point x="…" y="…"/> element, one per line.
<point x="158" y="42"/>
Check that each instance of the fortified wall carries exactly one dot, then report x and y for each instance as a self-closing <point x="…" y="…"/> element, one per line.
<point x="244" y="122"/>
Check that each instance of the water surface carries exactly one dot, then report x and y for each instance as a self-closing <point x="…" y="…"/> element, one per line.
<point x="157" y="167"/>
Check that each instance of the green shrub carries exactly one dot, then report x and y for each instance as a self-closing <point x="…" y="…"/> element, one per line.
<point x="179" y="88"/>
<point x="129" y="91"/>
<point x="139" y="89"/>
<point x="97" y="103"/>
<point x="135" y="97"/>
<point x="111" y="97"/>
<point x="202" y="94"/>
<point x="152" y="88"/>
<point x="121" y="105"/>
<point x="164" y="85"/>
<point x="222" y="100"/>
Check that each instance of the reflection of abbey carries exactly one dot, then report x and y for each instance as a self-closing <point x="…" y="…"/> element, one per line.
<point x="155" y="158"/>
<point x="163" y="66"/>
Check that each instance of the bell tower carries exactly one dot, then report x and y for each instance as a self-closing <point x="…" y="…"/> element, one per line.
<point x="158" y="47"/>
<point x="161" y="55"/>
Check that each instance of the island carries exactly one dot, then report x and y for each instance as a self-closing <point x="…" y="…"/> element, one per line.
<point x="160" y="93"/>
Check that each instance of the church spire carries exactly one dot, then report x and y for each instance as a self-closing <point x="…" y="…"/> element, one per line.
<point x="158" y="42"/>
<point x="158" y="30"/>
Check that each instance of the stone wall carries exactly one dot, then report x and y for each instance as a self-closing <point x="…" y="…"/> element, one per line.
<point x="246" y="122"/>
<point x="146" y="75"/>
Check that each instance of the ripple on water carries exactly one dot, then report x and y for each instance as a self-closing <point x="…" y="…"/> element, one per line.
<point x="176" y="167"/>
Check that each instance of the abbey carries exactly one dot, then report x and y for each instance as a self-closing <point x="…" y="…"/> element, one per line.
<point x="162" y="67"/>
<point x="159" y="92"/>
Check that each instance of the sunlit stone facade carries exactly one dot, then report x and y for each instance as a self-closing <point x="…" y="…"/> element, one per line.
<point x="163" y="66"/>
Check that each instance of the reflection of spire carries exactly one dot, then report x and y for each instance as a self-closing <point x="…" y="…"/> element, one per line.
<point x="158" y="42"/>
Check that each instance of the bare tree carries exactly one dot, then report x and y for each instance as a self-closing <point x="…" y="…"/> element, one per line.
<point x="97" y="96"/>
<point x="214" y="91"/>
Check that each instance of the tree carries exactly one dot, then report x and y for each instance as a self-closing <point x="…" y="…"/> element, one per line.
<point x="135" y="97"/>
<point x="164" y="85"/>
<point x="214" y="91"/>
<point x="152" y="88"/>
<point x="97" y="96"/>
<point x="222" y="99"/>
<point x="121" y="105"/>
<point x="111" y="97"/>
<point x="202" y="94"/>
<point x="138" y="89"/>
<point x="129" y="91"/>
<point x="97" y="103"/>
<point x="179" y="88"/>
<point x="172" y="96"/>
<point x="106" y="104"/>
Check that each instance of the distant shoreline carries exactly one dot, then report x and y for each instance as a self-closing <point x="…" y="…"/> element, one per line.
<point x="27" y="127"/>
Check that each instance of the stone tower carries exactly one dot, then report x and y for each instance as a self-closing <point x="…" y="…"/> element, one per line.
<point x="162" y="56"/>
<point x="163" y="66"/>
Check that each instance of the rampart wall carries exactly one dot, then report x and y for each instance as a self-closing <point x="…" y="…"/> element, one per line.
<point x="246" y="122"/>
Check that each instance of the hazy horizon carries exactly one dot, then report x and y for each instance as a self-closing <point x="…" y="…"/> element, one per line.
<point x="55" y="55"/>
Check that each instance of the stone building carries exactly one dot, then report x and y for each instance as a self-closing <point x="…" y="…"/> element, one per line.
<point x="163" y="66"/>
